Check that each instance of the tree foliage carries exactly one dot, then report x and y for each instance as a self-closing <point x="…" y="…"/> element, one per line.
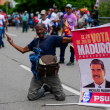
<point x="3" y="7"/>
<point x="38" y="5"/>
<point x="104" y="9"/>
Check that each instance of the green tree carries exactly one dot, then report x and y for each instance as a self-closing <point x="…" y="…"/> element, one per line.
<point x="37" y="5"/>
<point x="104" y="9"/>
<point x="3" y="7"/>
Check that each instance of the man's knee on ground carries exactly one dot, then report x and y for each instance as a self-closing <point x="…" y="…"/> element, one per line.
<point x="60" y="98"/>
<point x="31" y="97"/>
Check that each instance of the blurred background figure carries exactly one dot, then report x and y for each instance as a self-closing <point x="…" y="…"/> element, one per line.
<point x="83" y="20"/>
<point x="25" y="22"/>
<point x="95" y="14"/>
<point x="16" y="18"/>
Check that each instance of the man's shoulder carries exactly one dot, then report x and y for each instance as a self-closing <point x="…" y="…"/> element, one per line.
<point x="107" y="84"/>
<point x="53" y="14"/>
<point x="89" y="85"/>
<point x="73" y="15"/>
<point x="48" y="20"/>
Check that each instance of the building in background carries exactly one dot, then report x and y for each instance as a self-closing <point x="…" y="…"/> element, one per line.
<point x="12" y="3"/>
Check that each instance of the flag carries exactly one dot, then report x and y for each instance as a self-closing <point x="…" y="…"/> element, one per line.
<point x="67" y="29"/>
<point x="97" y="3"/>
<point x="71" y="44"/>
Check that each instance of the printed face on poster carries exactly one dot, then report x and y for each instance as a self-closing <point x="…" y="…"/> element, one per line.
<point x="92" y="51"/>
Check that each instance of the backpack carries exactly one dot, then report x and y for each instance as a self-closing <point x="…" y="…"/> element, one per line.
<point x="43" y="65"/>
<point x="48" y="65"/>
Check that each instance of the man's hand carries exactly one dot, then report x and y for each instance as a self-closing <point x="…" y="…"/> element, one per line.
<point x="10" y="40"/>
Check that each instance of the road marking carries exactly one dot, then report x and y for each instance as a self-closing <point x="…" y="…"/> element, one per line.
<point x="25" y="67"/>
<point x="12" y="34"/>
<point x="71" y="89"/>
<point x="64" y="86"/>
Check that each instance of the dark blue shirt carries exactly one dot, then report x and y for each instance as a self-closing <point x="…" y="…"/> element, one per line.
<point x="47" y="45"/>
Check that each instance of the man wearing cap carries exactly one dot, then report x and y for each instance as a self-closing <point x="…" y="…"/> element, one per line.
<point x="2" y="21"/>
<point x="47" y="23"/>
<point x="55" y="21"/>
<point x="71" y="20"/>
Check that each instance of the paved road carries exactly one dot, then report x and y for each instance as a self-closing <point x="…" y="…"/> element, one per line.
<point x="15" y="80"/>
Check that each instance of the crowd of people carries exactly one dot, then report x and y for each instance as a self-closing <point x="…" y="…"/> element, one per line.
<point x="47" y="25"/>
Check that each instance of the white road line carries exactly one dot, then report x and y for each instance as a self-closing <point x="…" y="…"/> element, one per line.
<point x="25" y="67"/>
<point x="12" y="34"/>
<point x="64" y="86"/>
<point x="71" y="89"/>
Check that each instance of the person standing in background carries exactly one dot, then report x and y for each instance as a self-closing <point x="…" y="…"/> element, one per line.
<point x="16" y="18"/>
<point x="3" y="34"/>
<point x="25" y="22"/>
<point x="71" y="20"/>
<point x="2" y="21"/>
<point x="55" y="21"/>
<point x="78" y="12"/>
<point x="95" y="14"/>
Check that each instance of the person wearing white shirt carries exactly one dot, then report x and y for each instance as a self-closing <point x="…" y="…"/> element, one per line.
<point x="2" y="20"/>
<point x="47" y="22"/>
<point x="55" y="21"/>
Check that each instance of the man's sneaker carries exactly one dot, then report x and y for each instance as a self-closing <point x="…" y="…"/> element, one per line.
<point x="47" y="88"/>
<point x="61" y="62"/>
<point x="3" y="44"/>
<point x="70" y="63"/>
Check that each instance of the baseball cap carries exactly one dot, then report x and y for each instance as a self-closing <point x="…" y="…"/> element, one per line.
<point x="37" y="12"/>
<point x="69" y="5"/>
<point x="54" y="7"/>
<point x="26" y="11"/>
<point x="43" y="12"/>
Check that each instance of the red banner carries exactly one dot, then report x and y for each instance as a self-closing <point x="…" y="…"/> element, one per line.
<point x="92" y="43"/>
<point x="92" y="51"/>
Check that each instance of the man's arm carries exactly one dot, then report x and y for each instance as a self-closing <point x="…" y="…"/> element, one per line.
<point x="5" y="26"/>
<point x="59" y="20"/>
<point x="51" y="29"/>
<point x="22" y="50"/>
<point x="67" y="40"/>
<point x="63" y="30"/>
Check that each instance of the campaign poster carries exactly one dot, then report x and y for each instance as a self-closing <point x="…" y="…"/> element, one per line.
<point x="92" y="52"/>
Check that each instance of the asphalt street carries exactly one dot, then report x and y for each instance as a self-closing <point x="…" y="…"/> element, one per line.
<point x="15" y="78"/>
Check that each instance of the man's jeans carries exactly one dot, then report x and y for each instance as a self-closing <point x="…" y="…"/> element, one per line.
<point x="1" y="30"/>
<point x="3" y="33"/>
<point x="17" y="24"/>
<point x="62" y="52"/>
